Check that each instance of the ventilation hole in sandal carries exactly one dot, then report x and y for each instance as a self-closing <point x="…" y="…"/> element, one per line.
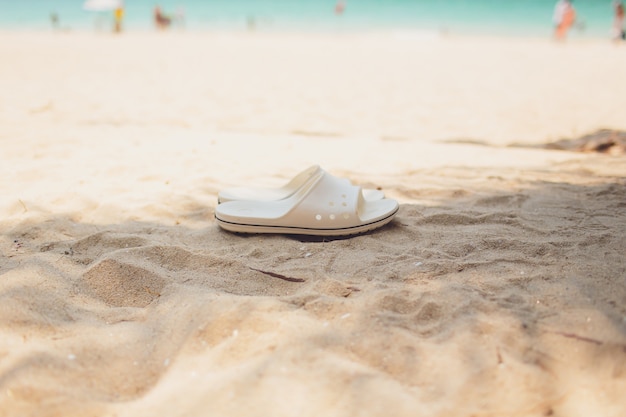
<point x="331" y="203"/>
<point x="332" y="217"/>
<point x="318" y="217"/>
<point x="343" y="196"/>
<point x="344" y="204"/>
<point x="346" y="216"/>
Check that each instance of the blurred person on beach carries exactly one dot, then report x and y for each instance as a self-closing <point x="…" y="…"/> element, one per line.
<point x="54" y="20"/>
<point x="340" y="7"/>
<point x="618" y="21"/>
<point x="564" y="18"/>
<point x="118" y="16"/>
<point x="251" y="23"/>
<point x="161" y="21"/>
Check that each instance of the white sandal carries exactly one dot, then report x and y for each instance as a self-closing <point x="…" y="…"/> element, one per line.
<point x="323" y="206"/>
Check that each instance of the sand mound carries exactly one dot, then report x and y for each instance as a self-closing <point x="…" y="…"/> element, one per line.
<point x="490" y="291"/>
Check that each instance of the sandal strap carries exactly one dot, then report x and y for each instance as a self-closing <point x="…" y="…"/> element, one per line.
<point x="328" y="203"/>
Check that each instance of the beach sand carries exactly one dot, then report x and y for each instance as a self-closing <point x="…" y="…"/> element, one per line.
<point x="498" y="290"/>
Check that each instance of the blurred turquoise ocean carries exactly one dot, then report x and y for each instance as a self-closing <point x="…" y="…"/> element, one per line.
<point x="528" y="18"/>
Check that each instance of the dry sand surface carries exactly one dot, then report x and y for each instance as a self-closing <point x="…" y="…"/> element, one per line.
<point x="498" y="290"/>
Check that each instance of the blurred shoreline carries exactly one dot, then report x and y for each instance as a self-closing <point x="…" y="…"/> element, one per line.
<point x="515" y="18"/>
<point x="389" y="34"/>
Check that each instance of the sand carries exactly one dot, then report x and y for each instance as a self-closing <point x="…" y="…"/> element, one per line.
<point x="498" y="290"/>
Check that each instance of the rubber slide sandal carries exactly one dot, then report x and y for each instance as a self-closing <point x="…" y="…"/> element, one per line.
<point x="286" y="191"/>
<point x="325" y="206"/>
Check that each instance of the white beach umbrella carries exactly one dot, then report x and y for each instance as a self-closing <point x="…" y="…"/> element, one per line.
<point x="102" y="5"/>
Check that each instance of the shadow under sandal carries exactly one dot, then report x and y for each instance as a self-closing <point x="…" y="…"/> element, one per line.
<point x="324" y="206"/>
<point x="287" y="190"/>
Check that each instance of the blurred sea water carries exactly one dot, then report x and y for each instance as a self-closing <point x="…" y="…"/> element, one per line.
<point x="532" y="18"/>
